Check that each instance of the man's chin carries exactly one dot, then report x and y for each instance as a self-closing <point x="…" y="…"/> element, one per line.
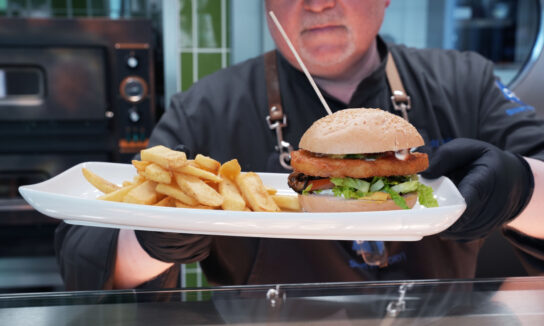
<point x="323" y="59"/>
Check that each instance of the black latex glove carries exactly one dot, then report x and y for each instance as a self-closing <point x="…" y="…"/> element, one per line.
<point x="175" y="247"/>
<point x="496" y="184"/>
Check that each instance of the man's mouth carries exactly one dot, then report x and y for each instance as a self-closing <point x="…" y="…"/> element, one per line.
<point x="325" y="28"/>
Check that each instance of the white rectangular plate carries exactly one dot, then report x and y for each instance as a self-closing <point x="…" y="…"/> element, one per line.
<point x="68" y="196"/>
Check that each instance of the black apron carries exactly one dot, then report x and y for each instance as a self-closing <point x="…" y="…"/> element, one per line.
<point x="374" y="253"/>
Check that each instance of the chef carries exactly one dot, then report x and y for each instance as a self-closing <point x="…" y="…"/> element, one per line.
<point x="477" y="132"/>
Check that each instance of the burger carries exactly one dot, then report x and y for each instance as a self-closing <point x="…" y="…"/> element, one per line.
<point x="360" y="160"/>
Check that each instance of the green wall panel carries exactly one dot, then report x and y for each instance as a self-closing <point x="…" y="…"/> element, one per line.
<point x="208" y="63"/>
<point x="209" y="24"/>
<point x="186" y="70"/>
<point x="186" y="23"/>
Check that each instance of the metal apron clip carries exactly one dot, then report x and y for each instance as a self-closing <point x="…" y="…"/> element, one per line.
<point x="283" y="147"/>
<point x="400" y="100"/>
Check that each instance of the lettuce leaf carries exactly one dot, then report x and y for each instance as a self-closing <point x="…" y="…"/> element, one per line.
<point x="358" y="184"/>
<point x="351" y="188"/>
<point x="406" y="187"/>
<point x="425" y="196"/>
<point x="397" y="198"/>
<point x="307" y="190"/>
<point x="346" y="192"/>
<point x="377" y="185"/>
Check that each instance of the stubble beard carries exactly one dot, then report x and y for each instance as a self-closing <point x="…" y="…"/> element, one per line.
<point x="310" y="58"/>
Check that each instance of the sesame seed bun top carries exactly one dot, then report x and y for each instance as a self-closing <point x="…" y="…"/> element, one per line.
<point x="359" y="131"/>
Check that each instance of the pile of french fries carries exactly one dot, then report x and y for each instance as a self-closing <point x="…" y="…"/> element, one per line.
<point x="167" y="178"/>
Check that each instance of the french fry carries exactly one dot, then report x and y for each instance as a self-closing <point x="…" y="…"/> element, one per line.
<point x="207" y="163"/>
<point x="98" y="182"/>
<point x="198" y="172"/>
<point x="164" y="157"/>
<point x="255" y="193"/>
<point x="175" y="192"/>
<point x="200" y="183"/>
<point x="230" y="169"/>
<point x="118" y="195"/>
<point x="156" y="173"/>
<point x="138" y="179"/>
<point x="232" y="198"/>
<point x="142" y="194"/>
<point x="166" y="202"/>
<point x="182" y="205"/>
<point x="212" y="184"/>
<point x="287" y="202"/>
<point x="198" y="189"/>
<point x="140" y="165"/>
<point x="270" y="190"/>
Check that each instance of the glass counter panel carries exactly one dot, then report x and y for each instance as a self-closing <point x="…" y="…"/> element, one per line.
<point x="515" y="301"/>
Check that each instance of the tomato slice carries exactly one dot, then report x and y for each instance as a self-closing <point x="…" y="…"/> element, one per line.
<point x="320" y="184"/>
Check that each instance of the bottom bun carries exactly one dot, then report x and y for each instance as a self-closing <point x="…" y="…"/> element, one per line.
<point x="321" y="203"/>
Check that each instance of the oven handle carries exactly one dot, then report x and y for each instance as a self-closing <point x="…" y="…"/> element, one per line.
<point x="14" y="205"/>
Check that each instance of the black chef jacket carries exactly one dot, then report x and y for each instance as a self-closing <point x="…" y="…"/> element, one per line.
<point x="223" y="115"/>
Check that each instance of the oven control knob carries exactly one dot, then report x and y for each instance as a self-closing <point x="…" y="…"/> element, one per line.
<point x="132" y="61"/>
<point x="133" y="89"/>
<point x="133" y="115"/>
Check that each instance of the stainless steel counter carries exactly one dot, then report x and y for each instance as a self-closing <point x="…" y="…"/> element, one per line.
<point x="513" y="301"/>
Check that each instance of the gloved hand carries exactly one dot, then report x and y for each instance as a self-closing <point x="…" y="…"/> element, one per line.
<point x="175" y="247"/>
<point x="496" y="184"/>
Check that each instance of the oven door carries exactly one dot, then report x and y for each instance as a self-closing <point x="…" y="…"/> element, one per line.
<point x="53" y="83"/>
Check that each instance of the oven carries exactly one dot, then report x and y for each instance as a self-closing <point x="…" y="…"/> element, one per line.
<point x="71" y="90"/>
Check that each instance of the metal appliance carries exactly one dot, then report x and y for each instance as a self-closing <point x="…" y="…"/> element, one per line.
<point x="508" y="32"/>
<point x="71" y="90"/>
<point x="527" y="83"/>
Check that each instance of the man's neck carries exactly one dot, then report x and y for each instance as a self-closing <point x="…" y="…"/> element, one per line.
<point x="344" y="86"/>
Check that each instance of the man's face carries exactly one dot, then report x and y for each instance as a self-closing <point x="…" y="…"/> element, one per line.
<point x="331" y="36"/>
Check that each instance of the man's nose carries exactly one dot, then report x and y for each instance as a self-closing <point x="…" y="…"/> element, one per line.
<point x="318" y="5"/>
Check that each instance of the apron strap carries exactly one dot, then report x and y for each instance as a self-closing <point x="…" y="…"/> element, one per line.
<point x="400" y="99"/>
<point x="276" y="118"/>
<point x="273" y="87"/>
